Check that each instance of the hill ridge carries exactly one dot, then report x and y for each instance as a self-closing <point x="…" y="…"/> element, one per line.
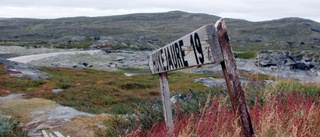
<point x="153" y="30"/>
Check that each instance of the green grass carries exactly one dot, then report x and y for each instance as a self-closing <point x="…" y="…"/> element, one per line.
<point x="245" y="54"/>
<point x="256" y="77"/>
<point x="25" y="43"/>
<point x="104" y="92"/>
<point x="21" y="84"/>
<point x="107" y="92"/>
<point x="101" y="91"/>
<point x="17" y="85"/>
<point x="308" y="89"/>
<point x="261" y="47"/>
<point x="76" y="44"/>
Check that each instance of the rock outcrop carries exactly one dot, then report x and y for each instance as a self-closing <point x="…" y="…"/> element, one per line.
<point x="286" y="60"/>
<point x="17" y="69"/>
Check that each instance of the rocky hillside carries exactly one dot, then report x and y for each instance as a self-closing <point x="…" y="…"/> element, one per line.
<point x="153" y="30"/>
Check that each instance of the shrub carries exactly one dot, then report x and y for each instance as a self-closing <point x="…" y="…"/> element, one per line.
<point x="135" y="85"/>
<point x="10" y="128"/>
<point x="121" y="108"/>
<point x="64" y="85"/>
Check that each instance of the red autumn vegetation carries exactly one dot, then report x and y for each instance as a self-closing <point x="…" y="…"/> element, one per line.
<point x="284" y="114"/>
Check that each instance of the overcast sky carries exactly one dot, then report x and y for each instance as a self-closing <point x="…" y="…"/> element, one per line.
<point x="252" y="10"/>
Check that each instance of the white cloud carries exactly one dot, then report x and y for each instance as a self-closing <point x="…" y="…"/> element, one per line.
<point x="254" y="10"/>
<point x="58" y="12"/>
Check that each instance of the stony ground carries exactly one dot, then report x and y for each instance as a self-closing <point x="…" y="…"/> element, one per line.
<point x="102" y="60"/>
<point x="38" y="114"/>
<point x="248" y="65"/>
<point x="112" y="60"/>
<point x="99" y="60"/>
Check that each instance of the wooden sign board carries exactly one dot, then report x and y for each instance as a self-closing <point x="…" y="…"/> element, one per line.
<point x="195" y="49"/>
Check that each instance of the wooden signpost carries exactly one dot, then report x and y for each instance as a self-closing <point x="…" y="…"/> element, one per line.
<point x="195" y="49"/>
<point x="206" y="45"/>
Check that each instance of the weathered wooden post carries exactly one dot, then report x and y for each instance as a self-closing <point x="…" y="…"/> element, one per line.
<point x="233" y="83"/>
<point x="165" y="94"/>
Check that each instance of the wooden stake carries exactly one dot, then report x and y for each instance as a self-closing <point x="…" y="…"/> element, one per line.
<point x="165" y="94"/>
<point x="231" y="76"/>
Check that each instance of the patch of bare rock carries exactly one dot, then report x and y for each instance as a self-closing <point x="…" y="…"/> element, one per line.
<point x="53" y="119"/>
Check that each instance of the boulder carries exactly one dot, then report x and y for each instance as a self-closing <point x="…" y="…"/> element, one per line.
<point x="307" y="58"/>
<point x="78" y="38"/>
<point x="12" y="96"/>
<point x="57" y="90"/>
<point x="214" y="82"/>
<point x="85" y="64"/>
<point x="179" y="97"/>
<point x="120" y="58"/>
<point x="299" y="66"/>
<point x="54" y="118"/>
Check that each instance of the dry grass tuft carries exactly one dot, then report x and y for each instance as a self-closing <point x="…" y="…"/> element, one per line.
<point x="22" y="108"/>
<point x="85" y="125"/>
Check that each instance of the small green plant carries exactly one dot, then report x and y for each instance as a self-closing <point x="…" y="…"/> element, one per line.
<point x="65" y="85"/>
<point x="121" y="108"/>
<point x="135" y="85"/>
<point x="9" y="127"/>
<point x="246" y="54"/>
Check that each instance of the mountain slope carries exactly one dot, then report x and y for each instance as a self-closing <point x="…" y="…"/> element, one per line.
<point x="153" y="30"/>
<point x="283" y="32"/>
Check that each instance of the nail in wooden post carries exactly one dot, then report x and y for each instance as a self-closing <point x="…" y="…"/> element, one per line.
<point x="231" y="75"/>
<point x="165" y="94"/>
